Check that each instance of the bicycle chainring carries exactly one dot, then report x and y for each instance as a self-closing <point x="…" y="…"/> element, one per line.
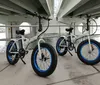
<point x="71" y="47"/>
<point x="21" y="52"/>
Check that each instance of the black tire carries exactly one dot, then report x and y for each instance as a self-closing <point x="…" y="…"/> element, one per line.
<point x="53" y="63"/>
<point x="60" y="50"/>
<point x="9" y="55"/>
<point x="93" y="45"/>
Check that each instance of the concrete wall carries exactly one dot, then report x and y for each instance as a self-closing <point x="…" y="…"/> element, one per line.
<point x="17" y="20"/>
<point x="65" y="23"/>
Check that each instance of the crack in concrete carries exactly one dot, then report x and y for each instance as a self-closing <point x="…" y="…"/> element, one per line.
<point x="4" y="68"/>
<point x="73" y="78"/>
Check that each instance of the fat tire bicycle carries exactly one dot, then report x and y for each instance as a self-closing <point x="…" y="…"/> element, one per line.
<point x="43" y="58"/>
<point x="88" y="51"/>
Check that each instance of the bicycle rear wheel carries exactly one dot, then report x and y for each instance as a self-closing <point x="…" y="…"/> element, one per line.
<point x="11" y="57"/>
<point x="60" y="46"/>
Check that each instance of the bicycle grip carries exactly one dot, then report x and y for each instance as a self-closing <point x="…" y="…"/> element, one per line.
<point x="40" y="28"/>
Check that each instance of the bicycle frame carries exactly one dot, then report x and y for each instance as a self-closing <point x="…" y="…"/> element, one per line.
<point x="33" y="39"/>
<point x="27" y="42"/>
<point x="74" y="39"/>
<point x="88" y="35"/>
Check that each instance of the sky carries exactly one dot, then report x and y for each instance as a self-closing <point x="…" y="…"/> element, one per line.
<point x="56" y="6"/>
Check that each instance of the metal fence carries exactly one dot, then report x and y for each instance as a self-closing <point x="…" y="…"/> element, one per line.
<point x="47" y="35"/>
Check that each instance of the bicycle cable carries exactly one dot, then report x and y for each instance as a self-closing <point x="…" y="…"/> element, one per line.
<point x="41" y="17"/>
<point x="92" y="28"/>
<point x="44" y="30"/>
<point x="95" y="25"/>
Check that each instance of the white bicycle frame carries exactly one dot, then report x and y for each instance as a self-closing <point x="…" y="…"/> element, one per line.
<point x="26" y="42"/>
<point x="76" y="38"/>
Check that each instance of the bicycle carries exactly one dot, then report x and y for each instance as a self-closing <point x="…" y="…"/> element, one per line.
<point x="88" y="50"/>
<point x="43" y="58"/>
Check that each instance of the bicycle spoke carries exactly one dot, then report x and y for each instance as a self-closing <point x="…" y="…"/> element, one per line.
<point x="49" y="60"/>
<point x="43" y="66"/>
<point x="45" y="52"/>
<point x="88" y="57"/>
<point x="93" y="53"/>
<point x="13" y="56"/>
<point x="47" y="64"/>
<point x="47" y="55"/>
<point x="39" y="64"/>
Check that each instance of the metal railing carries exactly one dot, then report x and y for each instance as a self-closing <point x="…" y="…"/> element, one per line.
<point x="59" y="27"/>
<point x="49" y="35"/>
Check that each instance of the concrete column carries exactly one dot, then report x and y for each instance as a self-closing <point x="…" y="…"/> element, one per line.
<point x="11" y="31"/>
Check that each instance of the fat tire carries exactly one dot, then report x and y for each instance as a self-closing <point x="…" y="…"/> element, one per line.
<point x="7" y="54"/>
<point x="57" y="45"/>
<point x="53" y="64"/>
<point x="93" y="62"/>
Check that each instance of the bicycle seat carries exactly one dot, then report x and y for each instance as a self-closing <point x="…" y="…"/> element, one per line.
<point x="69" y="30"/>
<point x="20" y="32"/>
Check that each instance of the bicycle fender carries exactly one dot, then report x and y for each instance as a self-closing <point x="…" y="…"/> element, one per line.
<point x="63" y="37"/>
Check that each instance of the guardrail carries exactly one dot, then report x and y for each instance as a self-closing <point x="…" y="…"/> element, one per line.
<point x="51" y="35"/>
<point x="52" y="25"/>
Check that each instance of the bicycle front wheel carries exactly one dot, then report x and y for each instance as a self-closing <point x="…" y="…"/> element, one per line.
<point x="85" y="55"/>
<point x="46" y="64"/>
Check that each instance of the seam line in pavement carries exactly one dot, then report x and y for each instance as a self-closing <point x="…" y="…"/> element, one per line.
<point x="4" y="68"/>
<point x="73" y="78"/>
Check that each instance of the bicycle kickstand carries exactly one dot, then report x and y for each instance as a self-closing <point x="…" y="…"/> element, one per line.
<point x="23" y="60"/>
<point x="70" y="53"/>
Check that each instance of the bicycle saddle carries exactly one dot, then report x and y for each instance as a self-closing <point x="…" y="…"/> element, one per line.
<point x="69" y="30"/>
<point x="20" y="32"/>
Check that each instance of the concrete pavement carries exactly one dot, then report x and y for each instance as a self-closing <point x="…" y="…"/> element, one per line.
<point x="70" y="71"/>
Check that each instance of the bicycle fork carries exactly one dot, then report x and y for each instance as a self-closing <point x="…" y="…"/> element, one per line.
<point x="90" y="47"/>
<point x="39" y="48"/>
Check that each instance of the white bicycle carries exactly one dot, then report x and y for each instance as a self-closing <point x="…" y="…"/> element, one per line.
<point x="88" y="50"/>
<point x="43" y="58"/>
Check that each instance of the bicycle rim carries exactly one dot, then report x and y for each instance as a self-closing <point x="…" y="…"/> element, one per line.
<point x="90" y="56"/>
<point x="43" y="64"/>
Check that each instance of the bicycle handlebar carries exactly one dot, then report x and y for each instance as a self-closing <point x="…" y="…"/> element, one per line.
<point x="42" y="17"/>
<point x="40" y="25"/>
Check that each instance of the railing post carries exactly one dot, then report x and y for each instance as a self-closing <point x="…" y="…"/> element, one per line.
<point x="59" y="31"/>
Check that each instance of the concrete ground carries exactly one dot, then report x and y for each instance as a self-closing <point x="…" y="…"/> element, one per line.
<point x="70" y="71"/>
